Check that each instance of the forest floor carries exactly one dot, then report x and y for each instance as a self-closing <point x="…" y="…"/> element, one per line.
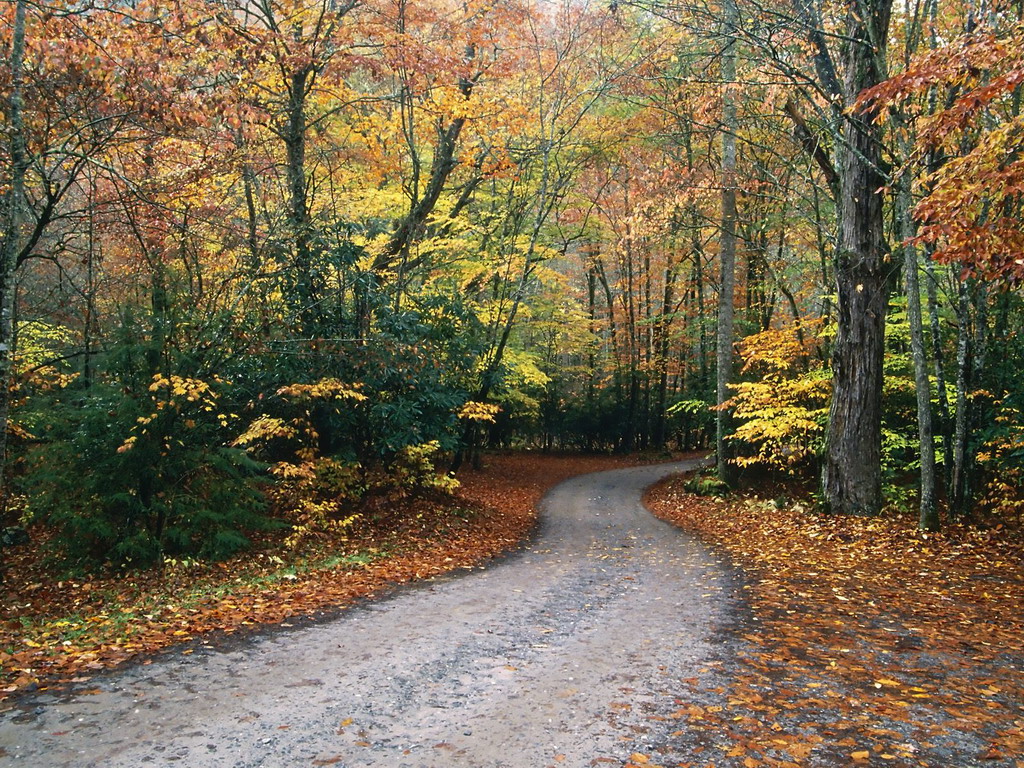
<point x="864" y="641"/>
<point x="55" y="629"/>
<point x="898" y="646"/>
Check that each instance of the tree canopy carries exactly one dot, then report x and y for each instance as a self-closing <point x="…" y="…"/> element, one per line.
<point x="261" y="261"/>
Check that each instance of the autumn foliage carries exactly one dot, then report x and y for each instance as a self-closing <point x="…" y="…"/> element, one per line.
<point x="268" y="268"/>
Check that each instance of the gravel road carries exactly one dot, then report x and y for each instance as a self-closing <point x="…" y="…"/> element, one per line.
<point x="566" y="653"/>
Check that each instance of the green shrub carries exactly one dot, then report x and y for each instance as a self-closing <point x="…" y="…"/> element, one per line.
<point x="126" y="478"/>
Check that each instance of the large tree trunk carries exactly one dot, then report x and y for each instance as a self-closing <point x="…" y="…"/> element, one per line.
<point x="852" y="477"/>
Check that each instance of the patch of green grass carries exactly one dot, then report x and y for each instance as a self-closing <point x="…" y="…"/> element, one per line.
<point x="706" y="485"/>
<point x="361" y="558"/>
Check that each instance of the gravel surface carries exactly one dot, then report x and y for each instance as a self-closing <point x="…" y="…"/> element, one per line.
<point x="565" y="653"/>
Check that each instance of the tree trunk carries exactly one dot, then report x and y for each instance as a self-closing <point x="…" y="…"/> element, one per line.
<point x="727" y="248"/>
<point x="928" y="518"/>
<point x="971" y="365"/>
<point x="661" y="351"/>
<point x="703" y="373"/>
<point x="945" y="423"/>
<point x="613" y="333"/>
<point x="852" y="477"/>
<point x="489" y="377"/>
<point x="89" y="321"/>
<point x="958" y="491"/>
<point x="697" y="249"/>
<point x="299" y="219"/>
<point x="592" y="352"/>
<point x="629" y="300"/>
<point x="12" y="229"/>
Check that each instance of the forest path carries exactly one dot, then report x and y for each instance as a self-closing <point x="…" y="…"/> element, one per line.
<point x="564" y="653"/>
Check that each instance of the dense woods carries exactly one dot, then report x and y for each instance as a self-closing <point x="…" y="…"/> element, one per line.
<point x="262" y="261"/>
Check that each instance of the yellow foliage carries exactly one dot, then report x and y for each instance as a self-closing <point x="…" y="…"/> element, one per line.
<point x="325" y="389"/>
<point x="777" y="350"/>
<point x="166" y="388"/>
<point x="414" y="470"/>
<point x="783" y="413"/>
<point x="39" y="341"/>
<point x="265" y="428"/>
<point x="477" y="411"/>
<point x="313" y="495"/>
<point x="173" y="396"/>
<point x="522" y="370"/>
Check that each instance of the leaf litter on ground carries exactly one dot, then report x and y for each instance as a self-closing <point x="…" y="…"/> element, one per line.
<point x="869" y="642"/>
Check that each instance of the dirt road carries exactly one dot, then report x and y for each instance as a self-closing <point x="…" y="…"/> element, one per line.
<point x="566" y="653"/>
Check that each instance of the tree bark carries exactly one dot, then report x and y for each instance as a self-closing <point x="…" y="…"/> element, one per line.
<point x="727" y="247"/>
<point x="852" y="476"/>
<point x="939" y="367"/>
<point x="662" y="350"/>
<point x="12" y="229"/>
<point x="928" y="518"/>
<point x="958" y="491"/>
<point x="299" y="219"/>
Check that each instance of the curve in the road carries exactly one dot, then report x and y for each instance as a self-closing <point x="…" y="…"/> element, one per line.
<point x="566" y="653"/>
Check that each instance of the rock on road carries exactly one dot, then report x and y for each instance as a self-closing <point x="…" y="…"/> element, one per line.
<point x="565" y="653"/>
